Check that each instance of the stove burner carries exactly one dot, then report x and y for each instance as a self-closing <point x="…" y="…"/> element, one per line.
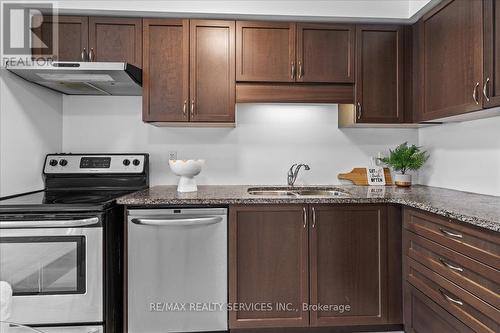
<point x="79" y="199"/>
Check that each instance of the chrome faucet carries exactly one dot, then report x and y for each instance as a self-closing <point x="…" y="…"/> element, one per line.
<point x="293" y="172"/>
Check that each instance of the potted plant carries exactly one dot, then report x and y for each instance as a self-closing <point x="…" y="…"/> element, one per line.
<point x="405" y="158"/>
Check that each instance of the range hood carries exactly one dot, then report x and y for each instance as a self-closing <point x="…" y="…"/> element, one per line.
<point x="83" y="78"/>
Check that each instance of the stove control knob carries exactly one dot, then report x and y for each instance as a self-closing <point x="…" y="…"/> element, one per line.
<point x="126" y="162"/>
<point x="136" y="162"/>
<point x="63" y="162"/>
<point x="53" y="162"/>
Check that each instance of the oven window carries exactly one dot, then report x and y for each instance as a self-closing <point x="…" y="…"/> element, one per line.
<point x="46" y="265"/>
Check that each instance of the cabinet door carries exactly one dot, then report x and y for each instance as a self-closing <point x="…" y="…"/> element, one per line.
<point x="348" y="264"/>
<point x="422" y="315"/>
<point x="212" y="66"/>
<point x="452" y="59"/>
<point x="491" y="85"/>
<point x="325" y="53"/>
<point x="379" y="74"/>
<point x="165" y="74"/>
<point x="66" y="36"/>
<point x="116" y="39"/>
<point x="265" y="51"/>
<point x="268" y="265"/>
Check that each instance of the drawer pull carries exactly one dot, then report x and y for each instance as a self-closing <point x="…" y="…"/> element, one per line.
<point x="450" y="233"/>
<point x="450" y="266"/>
<point x="450" y="299"/>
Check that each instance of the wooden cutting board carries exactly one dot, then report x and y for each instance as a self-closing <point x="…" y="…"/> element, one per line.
<point x="358" y="176"/>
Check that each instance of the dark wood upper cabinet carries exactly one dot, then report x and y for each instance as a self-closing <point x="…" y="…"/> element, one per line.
<point x="268" y="263"/>
<point x="116" y="39"/>
<point x="491" y="85"/>
<point x="65" y="36"/>
<point x="325" y="53"/>
<point x="212" y="71"/>
<point x="166" y="70"/>
<point x="348" y="249"/>
<point x="451" y="59"/>
<point x="379" y="74"/>
<point x="265" y="51"/>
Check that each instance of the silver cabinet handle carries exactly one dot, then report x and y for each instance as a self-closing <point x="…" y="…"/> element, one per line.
<point x="358" y="110"/>
<point x="192" y="108"/>
<point x="169" y="222"/>
<point x="450" y="299"/>
<point x="450" y="233"/>
<point x="304" y="215"/>
<point x="184" y="108"/>
<point x="485" y="89"/>
<point x="314" y="217"/>
<point x="450" y="266"/>
<point x="301" y="70"/>
<point x="91" y="55"/>
<point x="48" y="223"/>
<point x="474" y="93"/>
<point x="292" y="73"/>
<point x="84" y="55"/>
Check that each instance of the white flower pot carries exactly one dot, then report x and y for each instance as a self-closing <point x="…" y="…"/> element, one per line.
<point x="403" y="180"/>
<point x="187" y="169"/>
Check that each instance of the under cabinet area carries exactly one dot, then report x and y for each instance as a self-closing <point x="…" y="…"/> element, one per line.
<point x="344" y="257"/>
<point x="451" y="273"/>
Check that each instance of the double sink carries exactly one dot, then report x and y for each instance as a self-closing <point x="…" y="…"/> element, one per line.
<point x="298" y="192"/>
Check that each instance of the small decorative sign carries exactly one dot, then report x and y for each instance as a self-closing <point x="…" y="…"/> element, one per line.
<point x="375" y="175"/>
<point x="375" y="192"/>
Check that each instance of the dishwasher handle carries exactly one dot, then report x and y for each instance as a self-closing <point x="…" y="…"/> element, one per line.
<point x="169" y="222"/>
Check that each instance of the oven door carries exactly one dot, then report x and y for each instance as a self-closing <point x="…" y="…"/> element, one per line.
<point x="56" y="273"/>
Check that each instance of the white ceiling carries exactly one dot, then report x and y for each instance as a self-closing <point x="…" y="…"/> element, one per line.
<point x="314" y="10"/>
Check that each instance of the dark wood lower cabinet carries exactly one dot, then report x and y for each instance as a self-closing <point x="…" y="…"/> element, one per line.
<point x="327" y="265"/>
<point x="348" y="249"/>
<point x="268" y="261"/>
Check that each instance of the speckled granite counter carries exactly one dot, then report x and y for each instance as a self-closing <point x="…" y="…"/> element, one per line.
<point x="476" y="209"/>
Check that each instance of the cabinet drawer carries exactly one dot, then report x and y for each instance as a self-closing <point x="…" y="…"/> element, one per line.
<point x="481" y="245"/>
<point x="475" y="313"/>
<point x="422" y="315"/>
<point x="479" y="279"/>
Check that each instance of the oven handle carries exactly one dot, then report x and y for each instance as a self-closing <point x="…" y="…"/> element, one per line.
<point x="49" y="223"/>
<point x="165" y="222"/>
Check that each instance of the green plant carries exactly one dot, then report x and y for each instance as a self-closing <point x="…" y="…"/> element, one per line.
<point x="404" y="158"/>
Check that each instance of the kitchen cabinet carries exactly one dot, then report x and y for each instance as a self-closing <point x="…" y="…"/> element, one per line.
<point x="188" y="74"/>
<point x="265" y="51"/>
<point x="453" y="270"/>
<point x="82" y="38"/>
<point x="212" y="71"/>
<point x="345" y="256"/>
<point x="166" y="70"/>
<point x="451" y="59"/>
<point x="65" y="36"/>
<point x="116" y="39"/>
<point x="491" y="85"/>
<point x="325" y="53"/>
<point x="268" y="259"/>
<point x="379" y="74"/>
<point x="290" y="52"/>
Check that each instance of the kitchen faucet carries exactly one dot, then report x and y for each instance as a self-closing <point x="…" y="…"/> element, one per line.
<point x="293" y="172"/>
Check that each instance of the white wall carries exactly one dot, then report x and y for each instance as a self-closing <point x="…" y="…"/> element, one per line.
<point x="464" y="156"/>
<point x="30" y="127"/>
<point x="267" y="140"/>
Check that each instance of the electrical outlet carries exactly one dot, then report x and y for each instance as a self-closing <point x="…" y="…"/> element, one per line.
<point x="172" y="155"/>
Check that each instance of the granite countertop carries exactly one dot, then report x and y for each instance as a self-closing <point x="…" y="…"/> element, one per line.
<point x="476" y="209"/>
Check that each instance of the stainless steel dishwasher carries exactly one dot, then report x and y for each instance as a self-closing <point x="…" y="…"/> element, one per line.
<point x="177" y="270"/>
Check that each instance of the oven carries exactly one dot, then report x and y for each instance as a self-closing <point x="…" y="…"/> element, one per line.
<point x="54" y="265"/>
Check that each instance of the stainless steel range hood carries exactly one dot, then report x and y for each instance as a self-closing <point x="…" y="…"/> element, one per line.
<point x="83" y="78"/>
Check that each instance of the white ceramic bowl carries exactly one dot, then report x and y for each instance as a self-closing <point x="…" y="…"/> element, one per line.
<point x="187" y="169"/>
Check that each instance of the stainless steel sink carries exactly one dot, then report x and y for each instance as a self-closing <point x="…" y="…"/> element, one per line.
<point x="299" y="192"/>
